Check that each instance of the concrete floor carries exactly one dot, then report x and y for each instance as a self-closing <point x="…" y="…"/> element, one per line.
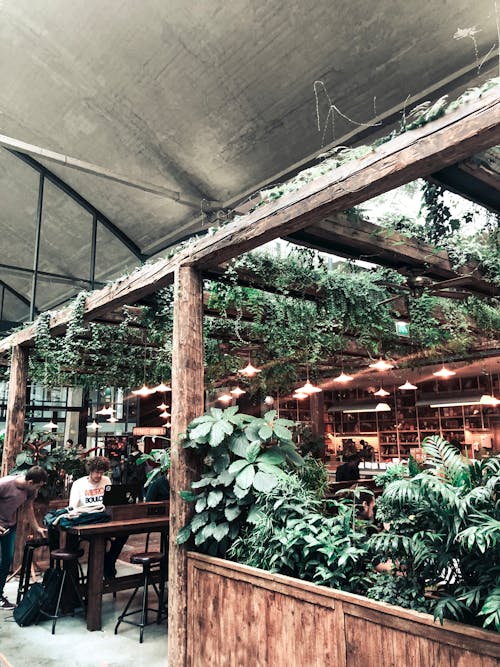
<point x="73" y="645"/>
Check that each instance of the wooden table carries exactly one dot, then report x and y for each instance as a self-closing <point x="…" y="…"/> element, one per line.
<point x="97" y="534"/>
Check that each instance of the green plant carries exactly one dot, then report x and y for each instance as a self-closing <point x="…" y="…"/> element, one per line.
<point x="160" y="458"/>
<point x="314" y="475"/>
<point x="242" y="456"/>
<point x="445" y="532"/>
<point x="400" y="591"/>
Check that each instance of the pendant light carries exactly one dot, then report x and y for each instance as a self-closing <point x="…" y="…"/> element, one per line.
<point x="444" y="373"/>
<point x="224" y="398"/>
<point x="300" y="395"/>
<point x="343" y="378"/>
<point x="162" y="407"/>
<point x="112" y="419"/>
<point x="308" y="389"/>
<point x="489" y="400"/>
<point x="105" y="411"/>
<point x="249" y="370"/>
<point x="381" y="365"/>
<point x="161" y="387"/>
<point x="50" y="426"/>
<point x="381" y="392"/>
<point x="382" y="407"/>
<point x="165" y="415"/>
<point x="407" y="385"/>
<point x="93" y="426"/>
<point x="237" y="391"/>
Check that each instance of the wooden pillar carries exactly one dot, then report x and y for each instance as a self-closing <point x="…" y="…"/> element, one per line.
<point x="317" y="408"/>
<point x="16" y="408"/>
<point x="187" y="403"/>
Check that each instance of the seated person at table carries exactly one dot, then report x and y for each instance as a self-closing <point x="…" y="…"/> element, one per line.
<point x="89" y="490"/>
<point x="159" y="489"/>
<point x="348" y="471"/>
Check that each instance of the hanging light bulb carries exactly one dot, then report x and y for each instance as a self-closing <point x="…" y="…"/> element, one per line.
<point x="407" y="385"/>
<point x="112" y="419"/>
<point x="249" y="370"/>
<point x="382" y="365"/>
<point x="444" y="373"/>
<point x="299" y="395"/>
<point x="381" y="392"/>
<point x="237" y="391"/>
<point x="93" y="425"/>
<point x="49" y="426"/>
<point x="225" y="398"/>
<point x="143" y="391"/>
<point x="382" y="407"/>
<point x="343" y="378"/>
<point x="161" y="387"/>
<point x="165" y="415"/>
<point x="105" y="411"/>
<point x="168" y="425"/>
<point x="489" y="399"/>
<point x="162" y="407"/>
<point x="308" y="388"/>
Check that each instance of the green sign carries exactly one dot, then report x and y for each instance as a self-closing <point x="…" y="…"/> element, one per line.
<point x="403" y="329"/>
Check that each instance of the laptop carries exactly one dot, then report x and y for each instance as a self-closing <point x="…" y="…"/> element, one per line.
<point x="120" y="494"/>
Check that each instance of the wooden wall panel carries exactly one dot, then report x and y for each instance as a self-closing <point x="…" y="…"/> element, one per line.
<point x="240" y="616"/>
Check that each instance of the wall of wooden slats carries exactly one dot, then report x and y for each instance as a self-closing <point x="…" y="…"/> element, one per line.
<point x="239" y="616"/>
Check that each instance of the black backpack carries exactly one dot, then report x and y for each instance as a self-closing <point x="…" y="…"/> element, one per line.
<point x="40" y="598"/>
<point x="28" y="610"/>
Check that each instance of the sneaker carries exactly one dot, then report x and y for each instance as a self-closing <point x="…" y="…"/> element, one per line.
<point x="5" y="604"/>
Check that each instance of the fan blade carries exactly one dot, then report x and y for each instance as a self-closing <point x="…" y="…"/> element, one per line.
<point x="450" y="294"/>
<point x="452" y="282"/>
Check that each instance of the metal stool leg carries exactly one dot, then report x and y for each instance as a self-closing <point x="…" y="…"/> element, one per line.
<point x="25" y="572"/>
<point x="56" y="613"/>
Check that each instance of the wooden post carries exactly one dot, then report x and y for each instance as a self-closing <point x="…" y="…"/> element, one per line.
<point x="317" y="408"/>
<point x="187" y="403"/>
<point x="16" y="407"/>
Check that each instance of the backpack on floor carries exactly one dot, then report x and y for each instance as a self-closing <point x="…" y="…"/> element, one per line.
<point x="51" y="583"/>
<point x="28" y="610"/>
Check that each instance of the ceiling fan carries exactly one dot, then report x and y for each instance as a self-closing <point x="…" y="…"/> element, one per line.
<point x="417" y="284"/>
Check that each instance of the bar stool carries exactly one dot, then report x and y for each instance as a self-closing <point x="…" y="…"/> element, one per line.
<point x="146" y="559"/>
<point x="27" y="570"/>
<point x="61" y="559"/>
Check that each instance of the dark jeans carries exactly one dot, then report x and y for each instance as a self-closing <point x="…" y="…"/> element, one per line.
<point x="112" y="554"/>
<point x="7" y="543"/>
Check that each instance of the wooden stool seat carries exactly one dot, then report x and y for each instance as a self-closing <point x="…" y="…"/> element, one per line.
<point x="147" y="557"/>
<point x="63" y="554"/>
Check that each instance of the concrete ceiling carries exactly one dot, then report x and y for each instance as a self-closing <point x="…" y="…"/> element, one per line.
<point x="209" y="99"/>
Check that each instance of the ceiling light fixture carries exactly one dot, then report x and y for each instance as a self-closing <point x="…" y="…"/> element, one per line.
<point x="94" y="425"/>
<point x="454" y="404"/>
<point x="165" y="415"/>
<point x="112" y="419"/>
<point x="237" y="391"/>
<point x="343" y="378"/>
<point x="382" y="365"/>
<point x="382" y="407"/>
<point x="308" y="389"/>
<point x="299" y="395"/>
<point x="50" y="426"/>
<point x="444" y="373"/>
<point x="489" y="399"/>
<point x="381" y="392"/>
<point x="249" y="370"/>
<point x="407" y="385"/>
<point x="162" y="406"/>
<point x="161" y="387"/>
<point x="225" y="398"/>
<point x="143" y="391"/>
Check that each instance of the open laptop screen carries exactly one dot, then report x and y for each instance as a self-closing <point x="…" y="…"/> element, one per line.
<point x="120" y="494"/>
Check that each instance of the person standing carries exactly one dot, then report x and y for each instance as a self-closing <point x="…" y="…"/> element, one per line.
<point x="14" y="492"/>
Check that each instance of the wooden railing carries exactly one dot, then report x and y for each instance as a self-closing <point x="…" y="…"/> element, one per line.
<point x="239" y="616"/>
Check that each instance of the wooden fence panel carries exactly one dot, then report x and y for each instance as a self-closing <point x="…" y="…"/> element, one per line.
<point x="240" y="616"/>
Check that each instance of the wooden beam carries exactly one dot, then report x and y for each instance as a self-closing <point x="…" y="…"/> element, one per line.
<point x="16" y="408"/>
<point x="452" y="138"/>
<point x="187" y="403"/>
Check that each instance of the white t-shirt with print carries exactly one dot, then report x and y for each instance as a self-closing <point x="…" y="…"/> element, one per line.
<point x="85" y="492"/>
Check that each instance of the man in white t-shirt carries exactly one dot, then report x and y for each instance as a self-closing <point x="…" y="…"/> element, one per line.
<point x="88" y="491"/>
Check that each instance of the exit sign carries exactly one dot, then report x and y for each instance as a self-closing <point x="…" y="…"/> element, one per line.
<point x="403" y="329"/>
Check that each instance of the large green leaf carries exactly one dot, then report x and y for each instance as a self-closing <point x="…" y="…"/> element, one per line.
<point x="183" y="535"/>
<point x="199" y="520"/>
<point x="221" y="462"/>
<point x="188" y="496"/>
<point x="201" y="503"/>
<point x="214" y="498"/>
<point x="282" y="433"/>
<point x="268" y="468"/>
<point x="245" y="477"/>
<point x="264" y="482"/>
<point x="231" y="512"/>
<point x="253" y="451"/>
<point x="265" y="432"/>
<point x="238" y="444"/>
<point x="219" y="431"/>
<point x="221" y="531"/>
<point x="273" y="455"/>
<point x="202" y="430"/>
<point x="239" y="492"/>
<point x="237" y="466"/>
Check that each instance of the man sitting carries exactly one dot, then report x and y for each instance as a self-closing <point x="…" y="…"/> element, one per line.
<point x="88" y="491"/>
